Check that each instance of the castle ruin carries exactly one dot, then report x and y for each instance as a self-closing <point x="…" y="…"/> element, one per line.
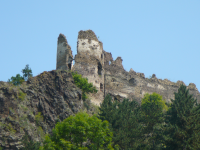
<point x="64" y="54"/>
<point x="108" y="75"/>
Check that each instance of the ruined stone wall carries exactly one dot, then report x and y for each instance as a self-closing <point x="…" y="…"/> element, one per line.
<point x="64" y="54"/>
<point x="122" y="84"/>
<point x="109" y="76"/>
<point x="89" y="62"/>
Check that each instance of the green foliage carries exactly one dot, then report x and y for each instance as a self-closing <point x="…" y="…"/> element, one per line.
<point x="153" y="108"/>
<point x="10" y="128"/>
<point x="80" y="132"/>
<point x="27" y="72"/>
<point x="124" y="120"/>
<point x="83" y="84"/>
<point x="1" y="148"/>
<point x="18" y="79"/>
<point x="21" y="95"/>
<point x="38" y="118"/>
<point x="29" y="144"/>
<point x="182" y="130"/>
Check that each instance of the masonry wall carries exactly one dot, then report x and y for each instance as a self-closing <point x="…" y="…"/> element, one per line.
<point x="109" y="76"/>
<point x="121" y="84"/>
<point x="89" y="62"/>
<point x="64" y="54"/>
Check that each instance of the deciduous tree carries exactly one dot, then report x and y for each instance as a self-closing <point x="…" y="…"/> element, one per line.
<point x="80" y="132"/>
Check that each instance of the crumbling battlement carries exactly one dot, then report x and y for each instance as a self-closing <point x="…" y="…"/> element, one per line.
<point x="122" y="84"/>
<point x="110" y="77"/>
<point x="89" y="44"/>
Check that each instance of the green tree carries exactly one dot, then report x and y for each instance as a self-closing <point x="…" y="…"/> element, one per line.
<point x="108" y="109"/>
<point x="27" y="72"/>
<point x="83" y="84"/>
<point x="153" y="108"/>
<point x="79" y="132"/>
<point x="18" y="79"/>
<point x="124" y="121"/>
<point x="183" y="122"/>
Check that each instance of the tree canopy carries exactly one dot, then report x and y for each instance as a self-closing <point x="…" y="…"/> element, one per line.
<point x="183" y="122"/>
<point x="124" y="121"/>
<point x="80" y="132"/>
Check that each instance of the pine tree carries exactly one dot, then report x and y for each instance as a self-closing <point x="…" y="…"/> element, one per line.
<point x="107" y="109"/>
<point x="127" y="129"/>
<point x="124" y="121"/>
<point x="27" y="72"/>
<point x="183" y="122"/>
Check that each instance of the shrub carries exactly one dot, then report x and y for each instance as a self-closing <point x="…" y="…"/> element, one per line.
<point x="38" y="118"/>
<point x="83" y="84"/>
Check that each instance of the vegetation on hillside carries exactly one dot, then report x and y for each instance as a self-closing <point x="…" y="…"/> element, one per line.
<point x="153" y="125"/>
<point x="18" y="79"/>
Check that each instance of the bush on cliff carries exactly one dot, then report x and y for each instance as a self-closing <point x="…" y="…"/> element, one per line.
<point x="83" y="84"/>
<point x="79" y="132"/>
<point x="18" y="79"/>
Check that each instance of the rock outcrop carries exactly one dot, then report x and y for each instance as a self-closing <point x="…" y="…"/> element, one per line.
<point x="35" y="106"/>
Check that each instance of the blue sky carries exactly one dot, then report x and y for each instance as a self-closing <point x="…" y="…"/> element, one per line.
<point x="159" y="37"/>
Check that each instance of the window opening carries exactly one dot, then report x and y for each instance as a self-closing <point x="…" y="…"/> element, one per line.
<point x="99" y="69"/>
<point x="101" y="87"/>
<point x="69" y="66"/>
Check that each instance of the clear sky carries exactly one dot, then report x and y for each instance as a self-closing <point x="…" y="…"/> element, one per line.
<point x="159" y="37"/>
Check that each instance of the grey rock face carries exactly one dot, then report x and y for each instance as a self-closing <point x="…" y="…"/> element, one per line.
<point x="35" y="106"/>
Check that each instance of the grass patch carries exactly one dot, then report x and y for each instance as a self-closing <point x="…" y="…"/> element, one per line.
<point x="38" y="118"/>
<point x="40" y="132"/>
<point x="10" y="128"/>
<point x="21" y="95"/>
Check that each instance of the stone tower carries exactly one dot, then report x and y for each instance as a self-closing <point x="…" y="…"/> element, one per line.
<point x="89" y="61"/>
<point x="64" y="54"/>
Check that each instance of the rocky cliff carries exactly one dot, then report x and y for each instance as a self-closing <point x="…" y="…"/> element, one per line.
<point x="35" y="106"/>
